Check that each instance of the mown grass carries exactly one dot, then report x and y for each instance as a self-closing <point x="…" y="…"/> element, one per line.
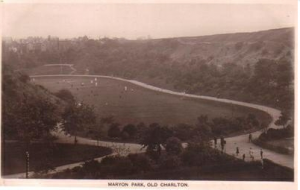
<point x="229" y="171"/>
<point x="137" y="104"/>
<point x="14" y="159"/>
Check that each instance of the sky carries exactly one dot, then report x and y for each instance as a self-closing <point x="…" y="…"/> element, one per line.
<point x="135" y="20"/>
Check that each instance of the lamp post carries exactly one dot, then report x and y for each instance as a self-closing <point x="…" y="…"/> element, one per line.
<point x="27" y="164"/>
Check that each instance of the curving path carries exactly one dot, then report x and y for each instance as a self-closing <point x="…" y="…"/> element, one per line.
<point x="240" y="141"/>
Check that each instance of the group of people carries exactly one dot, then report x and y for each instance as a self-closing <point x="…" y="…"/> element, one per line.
<point x="237" y="150"/>
<point x="222" y="143"/>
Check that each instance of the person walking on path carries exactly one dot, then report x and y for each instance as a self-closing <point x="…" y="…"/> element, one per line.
<point x="216" y="141"/>
<point x="250" y="138"/>
<point x="251" y="154"/>
<point x="244" y="156"/>
<point x="223" y="142"/>
<point x="261" y="154"/>
<point x="222" y="146"/>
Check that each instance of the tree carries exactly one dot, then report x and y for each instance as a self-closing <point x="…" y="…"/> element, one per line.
<point x="114" y="130"/>
<point x="98" y="130"/>
<point x="196" y="154"/>
<point x="155" y="137"/>
<point x="35" y="118"/>
<point x="130" y="129"/>
<point x="76" y="118"/>
<point x="282" y="120"/>
<point x="173" y="146"/>
<point x="183" y="131"/>
<point x="203" y="129"/>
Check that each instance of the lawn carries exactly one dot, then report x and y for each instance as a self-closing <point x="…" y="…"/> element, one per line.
<point x="231" y="171"/>
<point x="49" y="70"/>
<point x="13" y="155"/>
<point x="129" y="103"/>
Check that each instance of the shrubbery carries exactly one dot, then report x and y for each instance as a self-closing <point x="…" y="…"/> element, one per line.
<point x="276" y="134"/>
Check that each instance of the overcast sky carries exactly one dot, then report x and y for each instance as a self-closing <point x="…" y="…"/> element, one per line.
<point x="140" y="20"/>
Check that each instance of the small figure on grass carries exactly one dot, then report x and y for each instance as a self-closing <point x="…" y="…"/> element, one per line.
<point x="237" y="151"/>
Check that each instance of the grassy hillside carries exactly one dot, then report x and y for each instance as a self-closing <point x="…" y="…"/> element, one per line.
<point x="16" y="88"/>
<point x="240" y="48"/>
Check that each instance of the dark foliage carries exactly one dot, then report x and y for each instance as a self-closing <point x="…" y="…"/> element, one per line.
<point x="65" y="95"/>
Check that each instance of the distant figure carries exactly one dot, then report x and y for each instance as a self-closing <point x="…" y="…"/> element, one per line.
<point x="244" y="156"/>
<point x="223" y="142"/>
<point x="261" y="154"/>
<point x="215" y="141"/>
<point x="222" y="147"/>
<point x="95" y="79"/>
<point x="251" y="154"/>
<point x="92" y="81"/>
<point x="237" y="151"/>
<point x="96" y="84"/>
<point x="125" y="88"/>
<point x="250" y="137"/>
<point x="82" y="84"/>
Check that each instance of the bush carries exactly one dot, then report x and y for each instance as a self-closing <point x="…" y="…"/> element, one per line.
<point x="24" y="78"/>
<point x="116" y="166"/>
<point x="65" y="95"/>
<point x="140" y="162"/>
<point x="114" y="130"/>
<point x="276" y="134"/>
<point x="197" y="154"/>
<point x="183" y="131"/>
<point x="169" y="162"/>
<point x="173" y="146"/>
<point x="130" y="129"/>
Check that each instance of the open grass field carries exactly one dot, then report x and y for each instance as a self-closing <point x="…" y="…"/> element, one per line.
<point x="129" y="103"/>
<point x="13" y="157"/>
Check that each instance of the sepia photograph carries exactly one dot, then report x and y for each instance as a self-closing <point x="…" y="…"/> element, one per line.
<point x="149" y="95"/>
